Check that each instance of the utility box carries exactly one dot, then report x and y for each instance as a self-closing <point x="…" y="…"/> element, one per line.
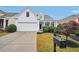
<point x="62" y="44"/>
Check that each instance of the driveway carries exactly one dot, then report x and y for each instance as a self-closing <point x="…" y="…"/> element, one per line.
<point x="18" y="42"/>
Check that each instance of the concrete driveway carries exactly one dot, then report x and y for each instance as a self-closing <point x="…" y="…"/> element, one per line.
<point x="18" y="42"/>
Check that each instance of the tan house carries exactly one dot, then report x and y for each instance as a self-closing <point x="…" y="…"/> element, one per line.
<point x="67" y="19"/>
<point x="6" y="19"/>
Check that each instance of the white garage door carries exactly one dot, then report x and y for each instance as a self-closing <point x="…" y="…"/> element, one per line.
<point x="27" y="26"/>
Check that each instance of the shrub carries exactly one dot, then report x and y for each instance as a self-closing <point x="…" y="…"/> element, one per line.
<point x="48" y="29"/>
<point x="51" y="29"/>
<point x="11" y="28"/>
<point x="45" y="29"/>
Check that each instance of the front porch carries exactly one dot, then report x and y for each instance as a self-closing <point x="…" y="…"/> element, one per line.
<point x="3" y="24"/>
<point x="45" y="23"/>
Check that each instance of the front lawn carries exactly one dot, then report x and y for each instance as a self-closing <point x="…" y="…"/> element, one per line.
<point x="3" y="33"/>
<point x="45" y="42"/>
<point x="68" y="49"/>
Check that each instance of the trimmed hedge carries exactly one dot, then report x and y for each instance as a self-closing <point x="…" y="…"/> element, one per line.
<point x="11" y="28"/>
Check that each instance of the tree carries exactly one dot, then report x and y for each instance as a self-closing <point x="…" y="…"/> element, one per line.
<point x="67" y="32"/>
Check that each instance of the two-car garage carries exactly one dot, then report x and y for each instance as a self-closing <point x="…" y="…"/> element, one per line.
<point x="27" y="21"/>
<point x="27" y="26"/>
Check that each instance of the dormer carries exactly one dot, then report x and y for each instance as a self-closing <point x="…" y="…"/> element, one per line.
<point x="26" y="15"/>
<point x="40" y="16"/>
<point x="28" y="12"/>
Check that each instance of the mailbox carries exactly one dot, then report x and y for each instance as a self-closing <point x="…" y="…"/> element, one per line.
<point x="60" y="42"/>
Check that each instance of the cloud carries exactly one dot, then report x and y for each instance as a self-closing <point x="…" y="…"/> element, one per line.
<point x="75" y="11"/>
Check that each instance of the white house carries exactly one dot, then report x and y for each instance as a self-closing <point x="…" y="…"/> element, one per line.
<point x="26" y="20"/>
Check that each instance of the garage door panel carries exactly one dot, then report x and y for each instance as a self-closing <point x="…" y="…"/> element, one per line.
<point x="31" y="26"/>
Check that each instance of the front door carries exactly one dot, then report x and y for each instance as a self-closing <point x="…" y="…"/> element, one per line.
<point x="40" y="26"/>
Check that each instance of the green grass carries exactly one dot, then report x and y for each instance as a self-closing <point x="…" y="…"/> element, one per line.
<point x="67" y="49"/>
<point x="45" y="42"/>
<point x="3" y="33"/>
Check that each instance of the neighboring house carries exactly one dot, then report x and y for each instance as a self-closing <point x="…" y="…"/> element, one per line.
<point x="6" y="19"/>
<point x="25" y="20"/>
<point x="67" y="19"/>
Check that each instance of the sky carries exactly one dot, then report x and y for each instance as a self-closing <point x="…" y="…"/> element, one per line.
<point x="56" y="12"/>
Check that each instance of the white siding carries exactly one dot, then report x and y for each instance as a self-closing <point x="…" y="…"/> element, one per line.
<point x="27" y="26"/>
<point x="24" y="23"/>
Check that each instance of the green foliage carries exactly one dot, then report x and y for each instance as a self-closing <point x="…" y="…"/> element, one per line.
<point x="11" y="28"/>
<point x="59" y="27"/>
<point x="48" y="29"/>
<point x="45" y="29"/>
<point x="56" y="29"/>
<point x="51" y="29"/>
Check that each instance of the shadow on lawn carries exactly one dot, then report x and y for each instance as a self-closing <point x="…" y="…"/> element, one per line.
<point x="69" y="44"/>
<point x="72" y="44"/>
<point x="74" y="37"/>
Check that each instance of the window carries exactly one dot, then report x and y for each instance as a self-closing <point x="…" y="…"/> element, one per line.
<point x="40" y="17"/>
<point x="46" y="23"/>
<point x="27" y="14"/>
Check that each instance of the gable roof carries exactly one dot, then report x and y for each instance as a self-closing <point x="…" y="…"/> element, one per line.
<point x="69" y="18"/>
<point x="48" y="18"/>
<point x="44" y="17"/>
<point x="10" y="14"/>
<point x="2" y="11"/>
<point x="72" y="17"/>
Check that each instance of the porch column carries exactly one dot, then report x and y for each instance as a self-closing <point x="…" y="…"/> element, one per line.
<point x="44" y="23"/>
<point x="50" y="23"/>
<point x="4" y="24"/>
<point x="55" y="24"/>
